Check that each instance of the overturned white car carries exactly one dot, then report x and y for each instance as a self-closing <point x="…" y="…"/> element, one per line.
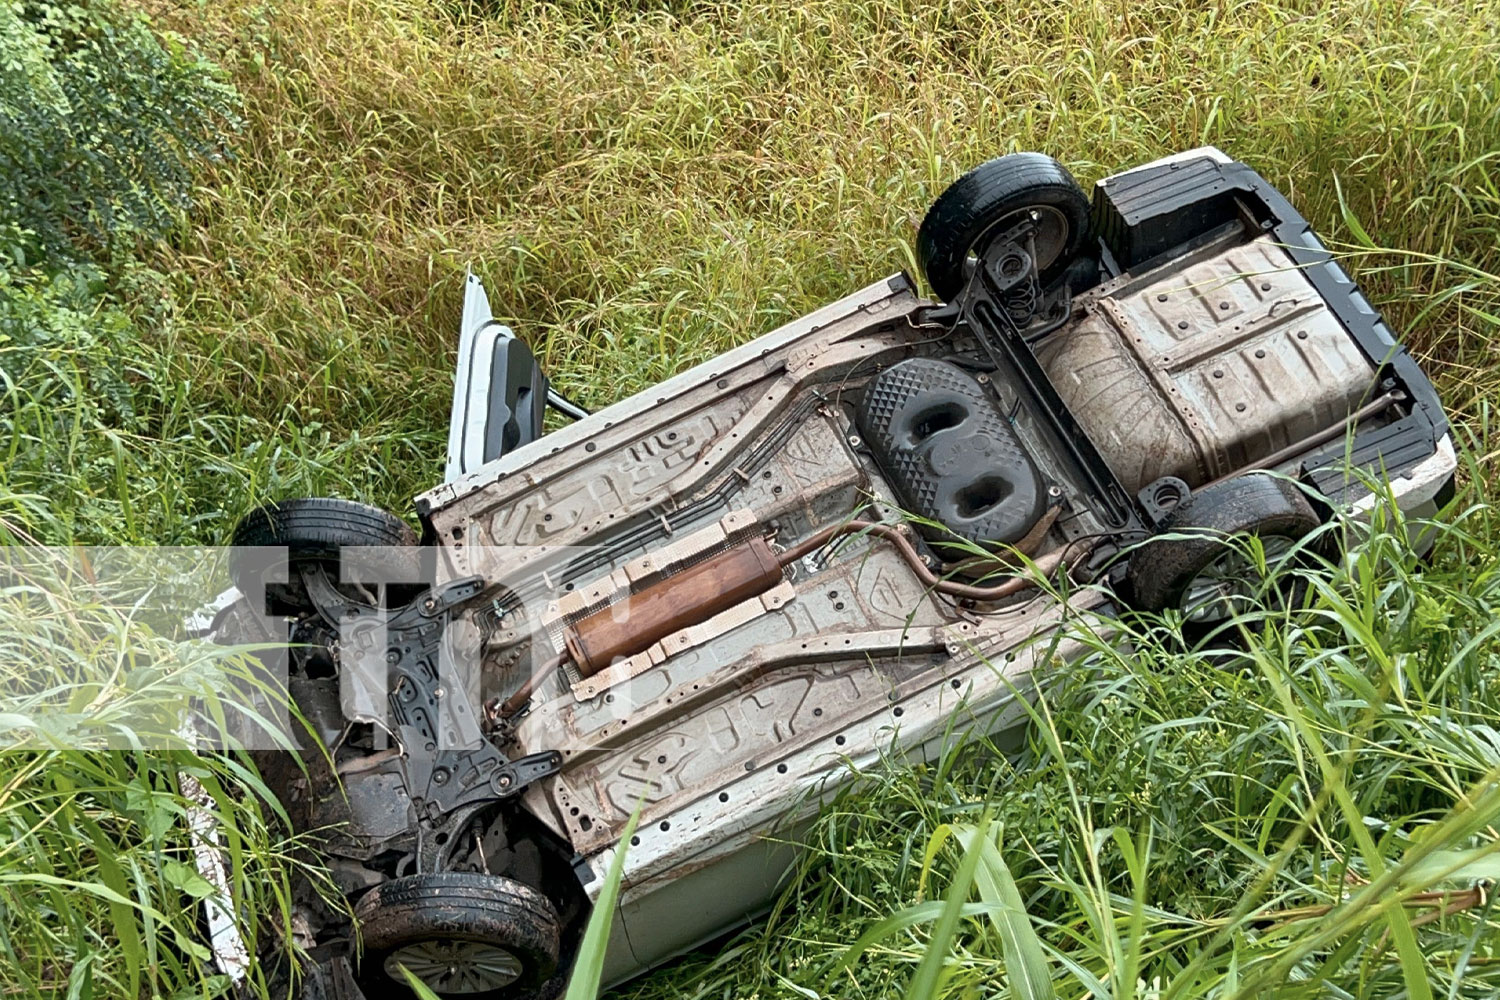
<point x="703" y="599"/>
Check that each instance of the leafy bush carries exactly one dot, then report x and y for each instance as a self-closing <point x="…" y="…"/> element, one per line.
<point x="101" y="126"/>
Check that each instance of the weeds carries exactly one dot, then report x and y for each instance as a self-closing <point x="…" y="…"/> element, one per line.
<point x="645" y="185"/>
<point x="99" y="892"/>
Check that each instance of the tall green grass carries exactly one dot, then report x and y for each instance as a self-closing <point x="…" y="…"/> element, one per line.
<point x="100" y="896"/>
<point x="102" y="127"/>
<point x="644" y="185"/>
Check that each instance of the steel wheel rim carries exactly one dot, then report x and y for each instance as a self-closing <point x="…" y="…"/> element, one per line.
<point x="1051" y="233"/>
<point x="1228" y="585"/>
<point x="456" y="967"/>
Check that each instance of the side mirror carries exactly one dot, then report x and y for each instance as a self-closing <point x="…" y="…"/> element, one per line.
<point x="499" y="391"/>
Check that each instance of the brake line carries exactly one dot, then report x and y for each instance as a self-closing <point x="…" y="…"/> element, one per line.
<point x="1045" y="565"/>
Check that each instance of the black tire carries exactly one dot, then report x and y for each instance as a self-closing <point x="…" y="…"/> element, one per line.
<point x="1161" y="571"/>
<point x="271" y="541"/>
<point x="966" y="215"/>
<point x="450" y="915"/>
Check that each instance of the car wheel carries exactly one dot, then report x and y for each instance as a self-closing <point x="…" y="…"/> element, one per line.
<point x="990" y="199"/>
<point x="271" y="542"/>
<point x="462" y="934"/>
<point x="1197" y="565"/>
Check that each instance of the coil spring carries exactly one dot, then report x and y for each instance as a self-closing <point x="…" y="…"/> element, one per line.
<point x="1022" y="301"/>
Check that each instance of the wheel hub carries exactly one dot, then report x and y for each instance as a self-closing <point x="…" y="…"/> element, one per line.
<point x="1051" y="233"/>
<point x="1228" y="586"/>
<point x="455" y="967"/>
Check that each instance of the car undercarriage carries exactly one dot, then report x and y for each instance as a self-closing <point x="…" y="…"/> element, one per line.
<point x="858" y="532"/>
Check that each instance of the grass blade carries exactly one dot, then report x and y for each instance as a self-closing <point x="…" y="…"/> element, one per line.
<point x="1025" y="962"/>
<point x="924" y="982"/>
<point x="588" y="968"/>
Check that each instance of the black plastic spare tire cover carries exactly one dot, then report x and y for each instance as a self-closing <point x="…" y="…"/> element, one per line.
<point x="950" y="453"/>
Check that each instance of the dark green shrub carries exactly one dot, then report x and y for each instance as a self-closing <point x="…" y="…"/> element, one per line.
<point x="101" y="125"/>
